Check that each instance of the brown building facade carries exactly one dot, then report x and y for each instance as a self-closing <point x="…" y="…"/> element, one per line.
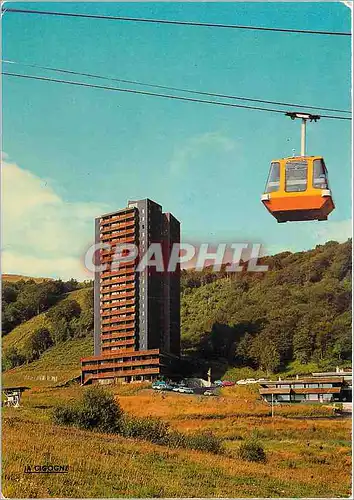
<point x="137" y="312"/>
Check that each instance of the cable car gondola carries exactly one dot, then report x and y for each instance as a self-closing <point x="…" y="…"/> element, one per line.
<point x="297" y="187"/>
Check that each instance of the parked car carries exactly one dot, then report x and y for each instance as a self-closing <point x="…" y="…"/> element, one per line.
<point x="158" y="383"/>
<point x="162" y="387"/>
<point x="186" y="390"/>
<point x="227" y="383"/>
<point x="247" y="381"/>
<point x="183" y="390"/>
<point x="209" y="393"/>
<point x="218" y="382"/>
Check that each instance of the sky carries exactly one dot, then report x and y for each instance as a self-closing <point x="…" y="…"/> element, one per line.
<point x="71" y="154"/>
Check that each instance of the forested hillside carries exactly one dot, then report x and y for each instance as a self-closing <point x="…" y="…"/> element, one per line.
<point x="300" y="310"/>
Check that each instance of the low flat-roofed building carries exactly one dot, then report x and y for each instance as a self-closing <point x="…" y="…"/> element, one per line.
<point x="347" y="374"/>
<point x="319" y="389"/>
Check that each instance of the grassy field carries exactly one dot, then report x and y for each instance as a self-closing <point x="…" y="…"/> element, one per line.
<point x="308" y="452"/>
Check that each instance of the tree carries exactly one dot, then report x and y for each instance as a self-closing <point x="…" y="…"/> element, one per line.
<point x="60" y="330"/>
<point x="12" y="316"/>
<point x="270" y="358"/>
<point x="342" y="337"/>
<point x="71" y="285"/>
<point x="323" y="338"/>
<point x="67" y="309"/>
<point x="9" y="293"/>
<point x="38" y="343"/>
<point x="303" y="344"/>
<point x="264" y="351"/>
<point x="35" y="298"/>
<point x="243" y="349"/>
<point x="12" y="358"/>
<point x="62" y="318"/>
<point x="83" y="325"/>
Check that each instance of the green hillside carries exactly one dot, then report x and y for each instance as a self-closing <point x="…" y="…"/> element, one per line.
<point x="56" y="366"/>
<point x="300" y="310"/>
<point x="20" y="334"/>
<point x="46" y="349"/>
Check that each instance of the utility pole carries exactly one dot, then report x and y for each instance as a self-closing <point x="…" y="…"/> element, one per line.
<point x="272" y="406"/>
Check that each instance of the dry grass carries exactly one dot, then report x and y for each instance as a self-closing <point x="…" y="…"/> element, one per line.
<point x="239" y="401"/>
<point x="305" y="457"/>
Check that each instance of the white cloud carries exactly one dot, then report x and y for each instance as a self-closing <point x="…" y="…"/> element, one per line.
<point x="27" y="265"/>
<point x="197" y="146"/>
<point x="43" y="235"/>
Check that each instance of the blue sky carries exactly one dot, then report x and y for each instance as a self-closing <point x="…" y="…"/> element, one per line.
<point x="72" y="153"/>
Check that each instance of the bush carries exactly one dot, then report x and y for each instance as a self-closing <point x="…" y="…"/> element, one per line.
<point x="97" y="410"/>
<point x="65" y="415"/>
<point x="151" y="429"/>
<point x="252" y="451"/>
<point x="203" y="441"/>
<point x="176" y="439"/>
<point x="158" y="432"/>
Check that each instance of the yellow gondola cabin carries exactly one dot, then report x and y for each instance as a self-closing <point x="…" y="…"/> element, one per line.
<point x="297" y="189"/>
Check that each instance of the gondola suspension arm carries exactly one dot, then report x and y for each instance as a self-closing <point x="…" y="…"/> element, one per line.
<point x="304" y="117"/>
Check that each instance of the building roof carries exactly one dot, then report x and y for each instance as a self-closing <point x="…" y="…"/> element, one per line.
<point x="305" y="380"/>
<point x="270" y="390"/>
<point x="21" y="388"/>
<point x="331" y="374"/>
<point x="306" y="390"/>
